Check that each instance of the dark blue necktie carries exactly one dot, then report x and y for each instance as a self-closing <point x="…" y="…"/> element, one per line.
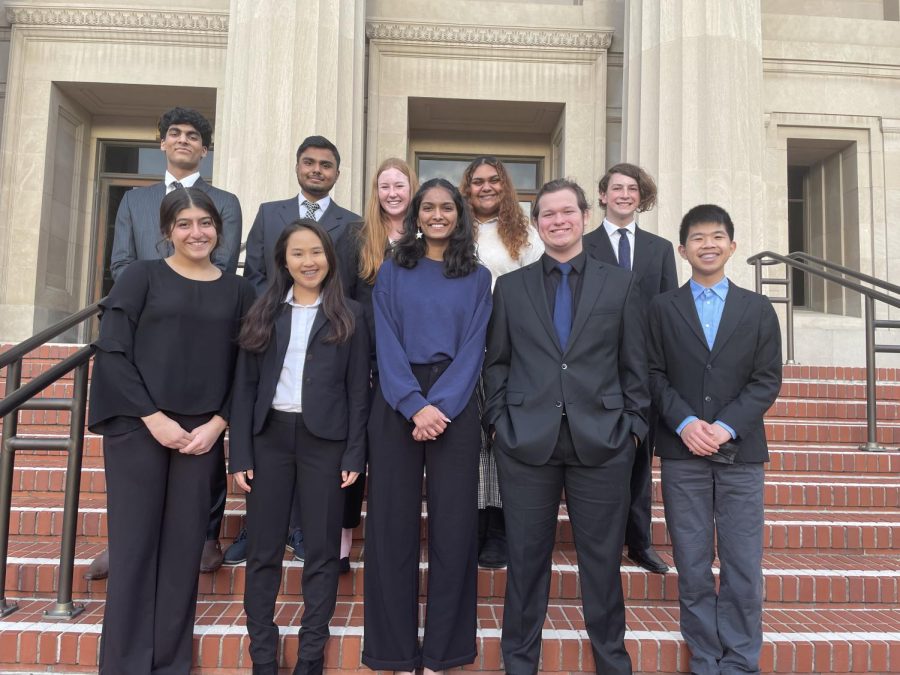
<point x="562" y="310"/>
<point x="624" y="249"/>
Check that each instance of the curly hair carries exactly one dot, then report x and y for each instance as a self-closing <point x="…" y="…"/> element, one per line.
<point x="186" y="116"/>
<point x="459" y="259"/>
<point x="373" y="235"/>
<point x="646" y="186"/>
<point x="512" y="224"/>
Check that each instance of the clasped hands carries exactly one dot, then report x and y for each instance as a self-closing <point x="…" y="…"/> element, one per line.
<point x="171" y="434"/>
<point x="430" y="423"/>
<point x="703" y="438"/>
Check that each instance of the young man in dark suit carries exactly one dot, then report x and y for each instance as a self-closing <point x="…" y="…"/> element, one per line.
<point x="715" y="369"/>
<point x="565" y="379"/>
<point x="626" y="190"/>
<point x="318" y="168"/>
<point x="184" y="136"/>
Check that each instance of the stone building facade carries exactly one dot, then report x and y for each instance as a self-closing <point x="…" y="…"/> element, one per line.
<point x="786" y="112"/>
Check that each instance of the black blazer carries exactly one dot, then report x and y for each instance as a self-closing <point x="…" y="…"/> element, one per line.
<point x="335" y="390"/>
<point x="600" y="380"/>
<point x="654" y="261"/>
<point x="271" y="219"/>
<point x="347" y="252"/>
<point x="736" y="382"/>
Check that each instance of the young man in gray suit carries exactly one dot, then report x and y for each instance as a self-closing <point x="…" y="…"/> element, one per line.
<point x="715" y="369"/>
<point x="184" y="136"/>
<point x="565" y="379"/>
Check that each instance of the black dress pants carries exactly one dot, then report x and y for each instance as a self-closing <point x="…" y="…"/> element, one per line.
<point x="597" y="501"/>
<point x="158" y="504"/>
<point x="217" y="510"/>
<point x="638" y="527"/>
<point x="289" y="459"/>
<point x="393" y="538"/>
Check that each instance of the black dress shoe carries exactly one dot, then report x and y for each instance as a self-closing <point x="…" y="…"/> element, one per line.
<point x="492" y="554"/>
<point x="265" y="668"/>
<point x="237" y="552"/>
<point x="344" y="565"/>
<point x="99" y="568"/>
<point x="649" y="560"/>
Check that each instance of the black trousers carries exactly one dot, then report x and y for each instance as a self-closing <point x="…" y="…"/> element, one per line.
<point x="393" y="539"/>
<point x="217" y="511"/>
<point x="289" y="459"/>
<point x="158" y="503"/>
<point x="597" y="501"/>
<point x="638" y="527"/>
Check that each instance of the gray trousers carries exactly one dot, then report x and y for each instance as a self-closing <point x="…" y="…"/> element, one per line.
<point x="704" y="500"/>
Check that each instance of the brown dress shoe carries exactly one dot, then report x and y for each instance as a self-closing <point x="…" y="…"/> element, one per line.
<point x="99" y="568"/>
<point x="211" y="560"/>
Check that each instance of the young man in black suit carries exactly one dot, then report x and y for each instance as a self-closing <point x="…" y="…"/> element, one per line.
<point x="715" y="369"/>
<point x="565" y="379"/>
<point x="626" y="190"/>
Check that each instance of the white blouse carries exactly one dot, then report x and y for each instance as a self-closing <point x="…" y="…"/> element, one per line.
<point x="493" y="254"/>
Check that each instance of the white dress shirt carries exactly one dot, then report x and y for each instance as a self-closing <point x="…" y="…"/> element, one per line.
<point x="187" y="181"/>
<point x="289" y="390"/>
<point x="613" y="232"/>
<point x="323" y="203"/>
<point x="493" y="254"/>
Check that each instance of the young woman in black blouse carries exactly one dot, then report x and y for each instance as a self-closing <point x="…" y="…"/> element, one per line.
<point x="160" y="396"/>
<point x="301" y="401"/>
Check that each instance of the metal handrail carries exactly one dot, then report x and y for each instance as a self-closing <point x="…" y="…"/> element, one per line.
<point x="796" y="261"/>
<point x="22" y="397"/>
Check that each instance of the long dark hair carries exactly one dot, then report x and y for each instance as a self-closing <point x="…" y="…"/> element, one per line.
<point x="184" y="198"/>
<point x="459" y="258"/>
<point x="256" y="330"/>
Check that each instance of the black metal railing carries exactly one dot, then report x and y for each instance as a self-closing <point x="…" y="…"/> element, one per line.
<point x="837" y="274"/>
<point x="24" y="397"/>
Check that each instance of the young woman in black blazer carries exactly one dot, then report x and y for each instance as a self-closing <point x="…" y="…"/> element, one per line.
<point x="160" y="396"/>
<point x="300" y="408"/>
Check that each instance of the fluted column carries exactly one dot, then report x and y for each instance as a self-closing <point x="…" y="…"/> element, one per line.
<point x="293" y="69"/>
<point x="694" y="116"/>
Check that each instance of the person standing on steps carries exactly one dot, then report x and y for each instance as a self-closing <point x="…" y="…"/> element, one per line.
<point x="301" y="402"/>
<point x="361" y="252"/>
<point x="715" y="369"/>
<point x="184" y="137"/>
<point x="506" y="241"/>
<point x="432" y="301"/>
<point x="565" y="380"/>
<point x="318" y="169"/>
<point x="161" y="398"/>
<point x="625" y="191"/>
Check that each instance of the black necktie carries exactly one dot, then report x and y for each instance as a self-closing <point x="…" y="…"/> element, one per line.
<point x="176" y="185"/>
<point x="624" y="249"/>
<point x="562" y="310"/>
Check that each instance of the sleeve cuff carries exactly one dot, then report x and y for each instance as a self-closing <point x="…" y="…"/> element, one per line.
<point x="411" y="404"/>
<point x="726" y="428"/>
<point x="687" y="420"/>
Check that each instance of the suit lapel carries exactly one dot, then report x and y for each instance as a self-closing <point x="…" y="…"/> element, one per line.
<point x="534" y="286"/>
<point x="289" y="211"/>
<point x="601" y="246"/>
<point x="684" y="303"/>
<point x="643" y="251"/>
<point x="591" y="286"/>
<point x="331" y="218"/>
<point x="282" y="333"/>
<point x="731" y="316"/>
<point x="318" y="323"/>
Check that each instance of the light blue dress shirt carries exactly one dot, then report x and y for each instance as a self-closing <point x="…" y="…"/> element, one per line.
<point x="710" y="303"/>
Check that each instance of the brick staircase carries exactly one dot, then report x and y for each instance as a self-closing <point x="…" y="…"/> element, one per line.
<point x="832" y="573"/>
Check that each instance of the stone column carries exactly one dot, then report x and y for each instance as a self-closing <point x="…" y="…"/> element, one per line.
<point x="693" y="113"/>
<point x="293" y="69"/>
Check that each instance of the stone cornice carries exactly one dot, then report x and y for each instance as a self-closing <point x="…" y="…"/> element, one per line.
<point x="135" y="19"/>
<point x="890" y="126"/>
<point x="490" y="36"/>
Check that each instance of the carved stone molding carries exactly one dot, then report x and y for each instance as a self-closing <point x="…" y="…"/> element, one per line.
<point x="890" y="126"/>
<point x="94" y="17"/>
<point x="490" y="36"/>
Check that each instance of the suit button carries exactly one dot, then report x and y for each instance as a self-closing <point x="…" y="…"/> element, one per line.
<point x="708" y="399"/>
<point x="559" y="404"/>
<point x="708" y="367"/>
<point x="309" y="357"/>
<point x="564" y="366"/>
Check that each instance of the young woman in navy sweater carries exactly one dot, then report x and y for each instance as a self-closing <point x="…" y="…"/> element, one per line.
<point x="301" y="400"/>
<point x="432" y="301"/>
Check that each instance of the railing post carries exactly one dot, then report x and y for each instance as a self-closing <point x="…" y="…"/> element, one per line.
<point x="871" y="443"/>
<point x="7" y="464"/>
<point x="789" y="316"/>
<point x="757" y="265"/>
<point x="65" y="608"/>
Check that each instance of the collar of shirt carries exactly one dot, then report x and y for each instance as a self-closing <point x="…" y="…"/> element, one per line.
<point x="289" y="299"/>
<point x="187" y="181"/>
<point x="490" y="221"/>
<point x="720" y="289"/>
<point x="577" y="263"/>
<point x="323" y="203"/>
<point x="614" y="229"/>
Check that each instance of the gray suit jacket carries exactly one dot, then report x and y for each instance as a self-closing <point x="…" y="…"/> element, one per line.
<point x="271" y="219"/>
<point x="137" y="235"/>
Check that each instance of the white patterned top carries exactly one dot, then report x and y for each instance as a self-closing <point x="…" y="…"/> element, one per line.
<point x="493" y="254"/>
